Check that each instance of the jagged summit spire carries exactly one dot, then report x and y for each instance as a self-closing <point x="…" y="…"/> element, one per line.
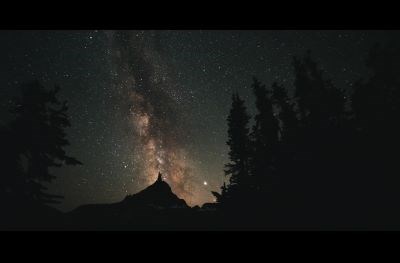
<point x="159" y="179"/>
<point x="159" y="194"/>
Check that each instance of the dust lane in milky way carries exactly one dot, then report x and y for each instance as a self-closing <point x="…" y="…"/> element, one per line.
<point x="159" y="128"/>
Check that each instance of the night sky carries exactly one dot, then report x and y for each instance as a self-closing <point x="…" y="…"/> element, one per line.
<point x="148" y="101"/>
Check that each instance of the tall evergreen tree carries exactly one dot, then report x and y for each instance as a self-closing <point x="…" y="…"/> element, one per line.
<point x="321" y="140"/>
<point x="264" y="137"/>
<point x="239" y="152"/>
<point x="38" y="138"/>
<point x="376" y="106"/>
<point x="319" y="101"/>
<point x="288" y="131"/>
<point x="321" y="108"/>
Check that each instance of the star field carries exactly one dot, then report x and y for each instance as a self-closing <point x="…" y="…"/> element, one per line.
<point x="191" y="75"/>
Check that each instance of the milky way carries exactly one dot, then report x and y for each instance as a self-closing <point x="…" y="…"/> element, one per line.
<point x="143" y="102"/>
<point x="158" y="128"/>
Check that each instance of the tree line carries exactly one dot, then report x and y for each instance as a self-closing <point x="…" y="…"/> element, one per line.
<point x="319" y="155"/>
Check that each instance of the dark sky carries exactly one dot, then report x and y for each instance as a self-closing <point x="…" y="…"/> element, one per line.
<point x="149" y="101"/>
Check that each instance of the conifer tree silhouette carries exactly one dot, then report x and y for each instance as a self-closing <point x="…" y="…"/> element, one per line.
<point x="264" y="138"/>
<point x="239" y="153"/>
<point x="376" y="106"/>
<point x="36" y="141"/>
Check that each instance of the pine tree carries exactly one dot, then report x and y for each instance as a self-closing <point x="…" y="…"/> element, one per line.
<point x="319" y="141"/>
<point x="288" y="137"/>
<point x="264" y="138"/>
<point x="376" y="106"/>
<point x="319" y="101"/>
<point x="321" y="108"/>
<point x="38" y="139"/>
<point x="239" y="152"/>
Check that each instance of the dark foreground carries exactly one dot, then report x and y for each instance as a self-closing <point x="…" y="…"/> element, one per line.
<point x="107" y="217"/>
<point x="157" y="208"/>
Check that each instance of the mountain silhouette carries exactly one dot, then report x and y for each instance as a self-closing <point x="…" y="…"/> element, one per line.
<point x="158" y="195"/>
<point x="154" y="207"/>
